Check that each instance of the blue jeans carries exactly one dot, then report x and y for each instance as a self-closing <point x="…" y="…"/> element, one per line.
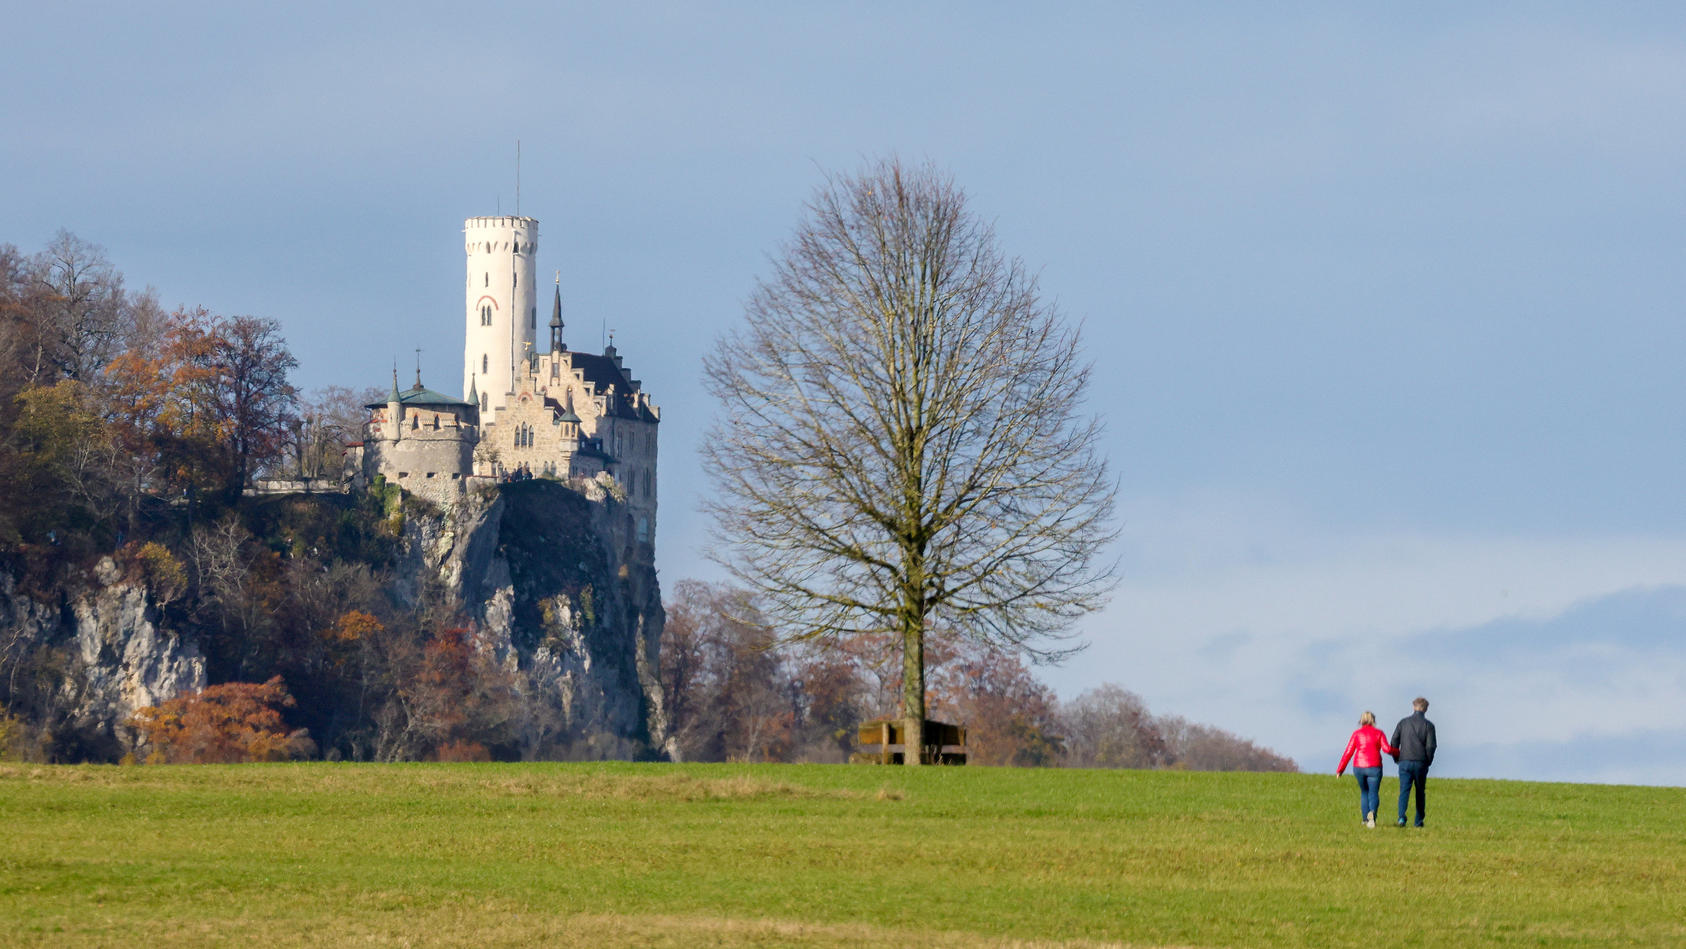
<point x="1369" y="789"/>
<point x="1412" y="773"/>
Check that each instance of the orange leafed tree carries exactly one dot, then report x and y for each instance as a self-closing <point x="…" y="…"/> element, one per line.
<point x="222" y="724"/>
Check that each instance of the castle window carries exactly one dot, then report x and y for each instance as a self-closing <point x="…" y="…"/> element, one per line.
<point x="485" y="363"/>
<point x="533" y="318"/>
<point x="516" y="280"/>
<point x="488" y="279"/>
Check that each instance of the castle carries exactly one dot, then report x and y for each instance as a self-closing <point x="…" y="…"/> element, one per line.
<point x="552" y="413"/>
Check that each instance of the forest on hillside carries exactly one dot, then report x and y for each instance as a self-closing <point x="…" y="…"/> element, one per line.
<point x="128" y="435"/>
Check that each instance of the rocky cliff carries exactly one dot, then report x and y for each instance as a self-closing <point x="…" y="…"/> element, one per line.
<point x="557" y="590"/>
<point x="544" y="577"/>
<point x="106" y="657"/>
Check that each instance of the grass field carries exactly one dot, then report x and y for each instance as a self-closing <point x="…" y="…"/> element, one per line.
<point x="764" y="855"/>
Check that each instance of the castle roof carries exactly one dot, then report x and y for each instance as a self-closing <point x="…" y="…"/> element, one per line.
<point x="602" y="372"/>
<point x="417" y="395"/>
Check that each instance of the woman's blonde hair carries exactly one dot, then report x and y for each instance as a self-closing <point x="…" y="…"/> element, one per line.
<point x="1368" y="718"/>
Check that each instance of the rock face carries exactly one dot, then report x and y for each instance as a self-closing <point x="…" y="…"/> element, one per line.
<point x="121" y="659"/>
<point x="559" y="591"/>
<point x="553" y="586"/>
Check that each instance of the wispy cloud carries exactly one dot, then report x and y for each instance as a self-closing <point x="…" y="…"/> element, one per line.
<point x="1284" y="635"/>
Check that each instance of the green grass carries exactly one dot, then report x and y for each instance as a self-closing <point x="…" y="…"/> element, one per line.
<point x="684" y="855"/>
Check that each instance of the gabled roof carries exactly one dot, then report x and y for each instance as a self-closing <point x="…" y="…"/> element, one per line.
<point x="602" y="373"/>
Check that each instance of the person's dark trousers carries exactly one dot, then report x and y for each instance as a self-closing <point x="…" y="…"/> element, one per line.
<point x="1412" y="773"/>
<point x="1369" y="789"/>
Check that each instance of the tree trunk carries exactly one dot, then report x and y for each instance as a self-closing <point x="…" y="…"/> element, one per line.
<point x="913" y="694"/>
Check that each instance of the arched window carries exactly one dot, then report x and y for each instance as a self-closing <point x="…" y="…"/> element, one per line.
<point x="485" y="364"/>
<point x="488" y="279"/>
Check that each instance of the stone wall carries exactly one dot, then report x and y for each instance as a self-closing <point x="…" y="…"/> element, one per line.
<point x="429" y="458"/>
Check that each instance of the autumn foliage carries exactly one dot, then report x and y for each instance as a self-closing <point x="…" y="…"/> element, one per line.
<point x="223" y="724"/>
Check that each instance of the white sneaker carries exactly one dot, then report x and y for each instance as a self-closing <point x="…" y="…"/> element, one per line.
<point x="1370" y="820"/>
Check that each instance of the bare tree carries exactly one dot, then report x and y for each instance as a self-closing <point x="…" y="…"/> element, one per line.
<point x="16" y="331"/>
<point x="1110" y="727"/>
<point x="728" y="695"/>
<point x="81" y="314"/>
<point x="902" y="439"/>
<point x="326" y="421"/>
<point x="255" y="396"/>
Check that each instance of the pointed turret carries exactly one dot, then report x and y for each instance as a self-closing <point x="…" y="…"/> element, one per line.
<point x="556" y="344"/>
<point x="394" y="408"/>
<point x="473" y="396"/>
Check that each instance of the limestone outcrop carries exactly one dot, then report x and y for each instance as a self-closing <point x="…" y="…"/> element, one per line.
<point x="558" y="587"/>
<point x="116" y="657"/>
<point x="550" y="580"/>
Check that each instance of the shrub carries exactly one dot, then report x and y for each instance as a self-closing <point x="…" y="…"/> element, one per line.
<point x="233" y="722"/>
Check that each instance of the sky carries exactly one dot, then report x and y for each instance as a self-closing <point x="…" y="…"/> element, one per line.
<point x="1384" y="303"/>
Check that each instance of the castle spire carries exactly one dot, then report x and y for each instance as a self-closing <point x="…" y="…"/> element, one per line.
<point x="556" y="317"/>
<point x="473" y="396"/>
<point x="394" y="397"/>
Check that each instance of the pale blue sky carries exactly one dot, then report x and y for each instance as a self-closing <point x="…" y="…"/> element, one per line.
<point x="1385" y="304"/>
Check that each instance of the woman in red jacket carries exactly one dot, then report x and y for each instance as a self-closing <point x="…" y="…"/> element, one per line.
<point x="1365" y="749"/>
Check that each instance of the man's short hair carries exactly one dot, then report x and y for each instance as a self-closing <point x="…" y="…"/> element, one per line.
<point x="1420" y="704"/>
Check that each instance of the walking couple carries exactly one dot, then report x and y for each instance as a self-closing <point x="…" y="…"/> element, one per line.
<point x="1412" y="746"/>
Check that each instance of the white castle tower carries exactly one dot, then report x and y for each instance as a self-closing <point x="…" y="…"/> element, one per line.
<point x="502" y="303"/>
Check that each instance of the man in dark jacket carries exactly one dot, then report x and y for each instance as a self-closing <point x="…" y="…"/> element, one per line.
<point x="1414" y="739"/>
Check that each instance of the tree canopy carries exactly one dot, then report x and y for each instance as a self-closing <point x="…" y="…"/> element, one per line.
<point x="901" y="439"/>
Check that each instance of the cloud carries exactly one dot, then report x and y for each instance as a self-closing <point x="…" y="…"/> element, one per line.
<point x="1283" y="633"/>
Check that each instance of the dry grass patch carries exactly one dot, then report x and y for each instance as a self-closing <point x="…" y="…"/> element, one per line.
<point x="496" y="923"/>
<point x="668" y="786"/>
